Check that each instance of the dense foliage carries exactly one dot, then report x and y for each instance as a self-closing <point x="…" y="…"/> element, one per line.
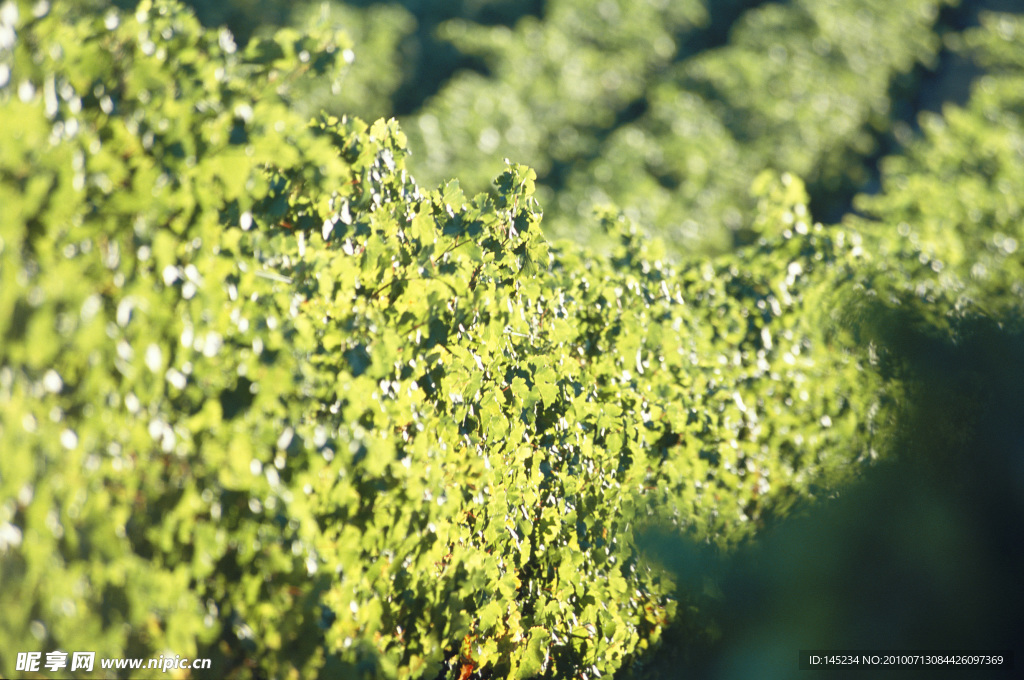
<point x="668" y="109"/>
<point x="269" y="401"/>
<point x="676" y="138"/>
<point x="927" y="553"/>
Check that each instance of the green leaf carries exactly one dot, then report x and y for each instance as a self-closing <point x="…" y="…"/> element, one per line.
<point x="535" y="655"/>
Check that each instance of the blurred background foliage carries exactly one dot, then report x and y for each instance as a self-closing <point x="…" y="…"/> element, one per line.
<point x="666" y="109"/>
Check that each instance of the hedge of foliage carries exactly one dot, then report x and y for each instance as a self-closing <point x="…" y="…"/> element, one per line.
<point x="268" y="401"/>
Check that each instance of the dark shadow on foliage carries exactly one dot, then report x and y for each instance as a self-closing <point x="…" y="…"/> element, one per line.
<point x="722" y="14"/>
<point x="925" y="554"/>
<point x="432" y="62"/>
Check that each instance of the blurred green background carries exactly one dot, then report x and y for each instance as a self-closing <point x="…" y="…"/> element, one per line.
<point x="667" y="109"/>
